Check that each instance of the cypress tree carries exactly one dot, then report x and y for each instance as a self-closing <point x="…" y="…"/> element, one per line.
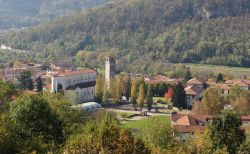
<point x="141" y="97"/>
<point x="117" y="89"/>
<point x="179" y="96"/>
<point x="29" y="84"/>
<point x="105" y="98"/>
<point x="39" y="84"/>
<point x="187" y="74"/>
<point x="220" y="78"/>
<point x="149" y="98"/>
<point x="133" y="93"/>
<point x="127" y="86"/>
<point x="25" y="80"/>
<point x="59" y="88"/>
<point x="99" y="89"/>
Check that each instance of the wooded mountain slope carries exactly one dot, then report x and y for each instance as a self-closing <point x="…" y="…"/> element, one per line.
<point x="148" y="33"/>
<point x="22" y="13"/>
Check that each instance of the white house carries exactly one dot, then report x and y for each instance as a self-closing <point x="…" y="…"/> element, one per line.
<point x="78" y="86"/>
<point x="5" y="47"/>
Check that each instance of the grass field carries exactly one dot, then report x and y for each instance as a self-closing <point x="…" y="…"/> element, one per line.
<point x="232" y="71"/>
<point x="139" y="125"/>
<point x="159" y="98"/>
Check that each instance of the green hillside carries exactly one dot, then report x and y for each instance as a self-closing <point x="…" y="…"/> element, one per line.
<point x="144" y="34"/>
<point x="25" y="13"/>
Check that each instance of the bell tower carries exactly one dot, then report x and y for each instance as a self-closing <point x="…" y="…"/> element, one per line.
<point x="109" y="69"/>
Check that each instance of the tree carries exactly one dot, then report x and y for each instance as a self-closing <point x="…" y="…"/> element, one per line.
<point x="187" y="74"/>
<point x="225" y="131"/>
<point x="219" y="78"/>
<point x="158" y="133"/>
<point x="102" y="134"/>
<point x="59" y="88"/>
<point x="235" y="92"/>
<point x="99" y="88"/>
<point x="133" y="93"/>
<point x="35" y="124"/>
<point x="106" y="94"/>
<point x="156" y="89"/>
<point x="39" y="84"/>
<point x="212" y="101"/>
<point x="7" y="91"/>
<point x="29" y="84"/>
<point x="116" y="89"/>
<point x="46" y="66"/>
<point x="197" y="107"/>
<point x="169" y="95"/>
<point x="149" y="97"/>
<point x="179" y="96"/>
<point x="25" y="80"/>
<point x="141" y="96"/>
<point x="162" y="89"/>
<point x="7" y="138"/>
<point x="126" y="85"/>
<point x="242" y="103"/>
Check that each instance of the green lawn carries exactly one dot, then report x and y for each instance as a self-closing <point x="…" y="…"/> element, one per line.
<point x="139" y="125"/>
<point x="159" y="98"/>
<point x="233" y="71"/>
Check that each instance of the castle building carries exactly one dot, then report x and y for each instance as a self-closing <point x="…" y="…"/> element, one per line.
<point x="77" y="86"/>
<point x="109" y="70"/>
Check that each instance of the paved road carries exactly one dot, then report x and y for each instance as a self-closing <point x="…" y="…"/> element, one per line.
<point x="136" y="112"/>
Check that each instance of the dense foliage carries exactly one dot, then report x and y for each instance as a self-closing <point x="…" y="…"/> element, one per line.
<point x="45" y="123"/>
<point x="25" y="13"/>
<point x="148" y="33"/>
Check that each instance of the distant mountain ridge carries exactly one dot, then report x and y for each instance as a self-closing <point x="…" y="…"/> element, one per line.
<point x="148" y="32"/>
<point x="25" y="13"/>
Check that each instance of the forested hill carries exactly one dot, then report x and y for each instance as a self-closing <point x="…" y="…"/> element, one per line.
<point x="22" y="13"/>
<point x="148" y="32"/>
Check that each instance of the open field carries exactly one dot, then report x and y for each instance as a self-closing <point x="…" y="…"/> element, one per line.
<point x="159" y="98"/>
<point x="138" y="125"/>
<point x="236" y="72"/>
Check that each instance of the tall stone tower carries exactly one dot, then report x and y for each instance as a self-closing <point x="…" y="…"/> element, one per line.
<point x="109" y="69"/>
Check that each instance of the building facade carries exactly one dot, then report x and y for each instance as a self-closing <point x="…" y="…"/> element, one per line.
<point x="109" y="69"/>
<point x="77" y="86"/>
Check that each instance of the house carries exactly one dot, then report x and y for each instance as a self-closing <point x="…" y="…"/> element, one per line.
<point x="161" y="79"/>
<point x="185" y="126"/>
<point x="5" y="47"/>
<point x="60" y="65"/>
<point x="245" y="120"/>
<point x="243" y="83"/>
<point x="78" y="86"/>
<point x="193" y="93"/>
<point x="195" y="82"/>
<point x="222" y="86"/>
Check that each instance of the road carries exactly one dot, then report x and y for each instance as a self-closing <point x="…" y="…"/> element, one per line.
<point x="136" y="112"/>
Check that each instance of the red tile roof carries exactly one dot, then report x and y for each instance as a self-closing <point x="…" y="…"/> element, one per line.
<point x="160" y="79"/>
<point x="189" y="129"/>
<point x="245" y="118"/>
<point x="241" y="84"/>
<point x="244" y="82"/>
<point x="194" y="81"/>
<point x="72" y="73"/>
<point x="192" y="119"/>
<point x="193" y="90"/>
<point x="222" y="86"/>
<point x="194" y="123"/>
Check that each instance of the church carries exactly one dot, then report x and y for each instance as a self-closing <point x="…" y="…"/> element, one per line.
<point x="78" y="86"/>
